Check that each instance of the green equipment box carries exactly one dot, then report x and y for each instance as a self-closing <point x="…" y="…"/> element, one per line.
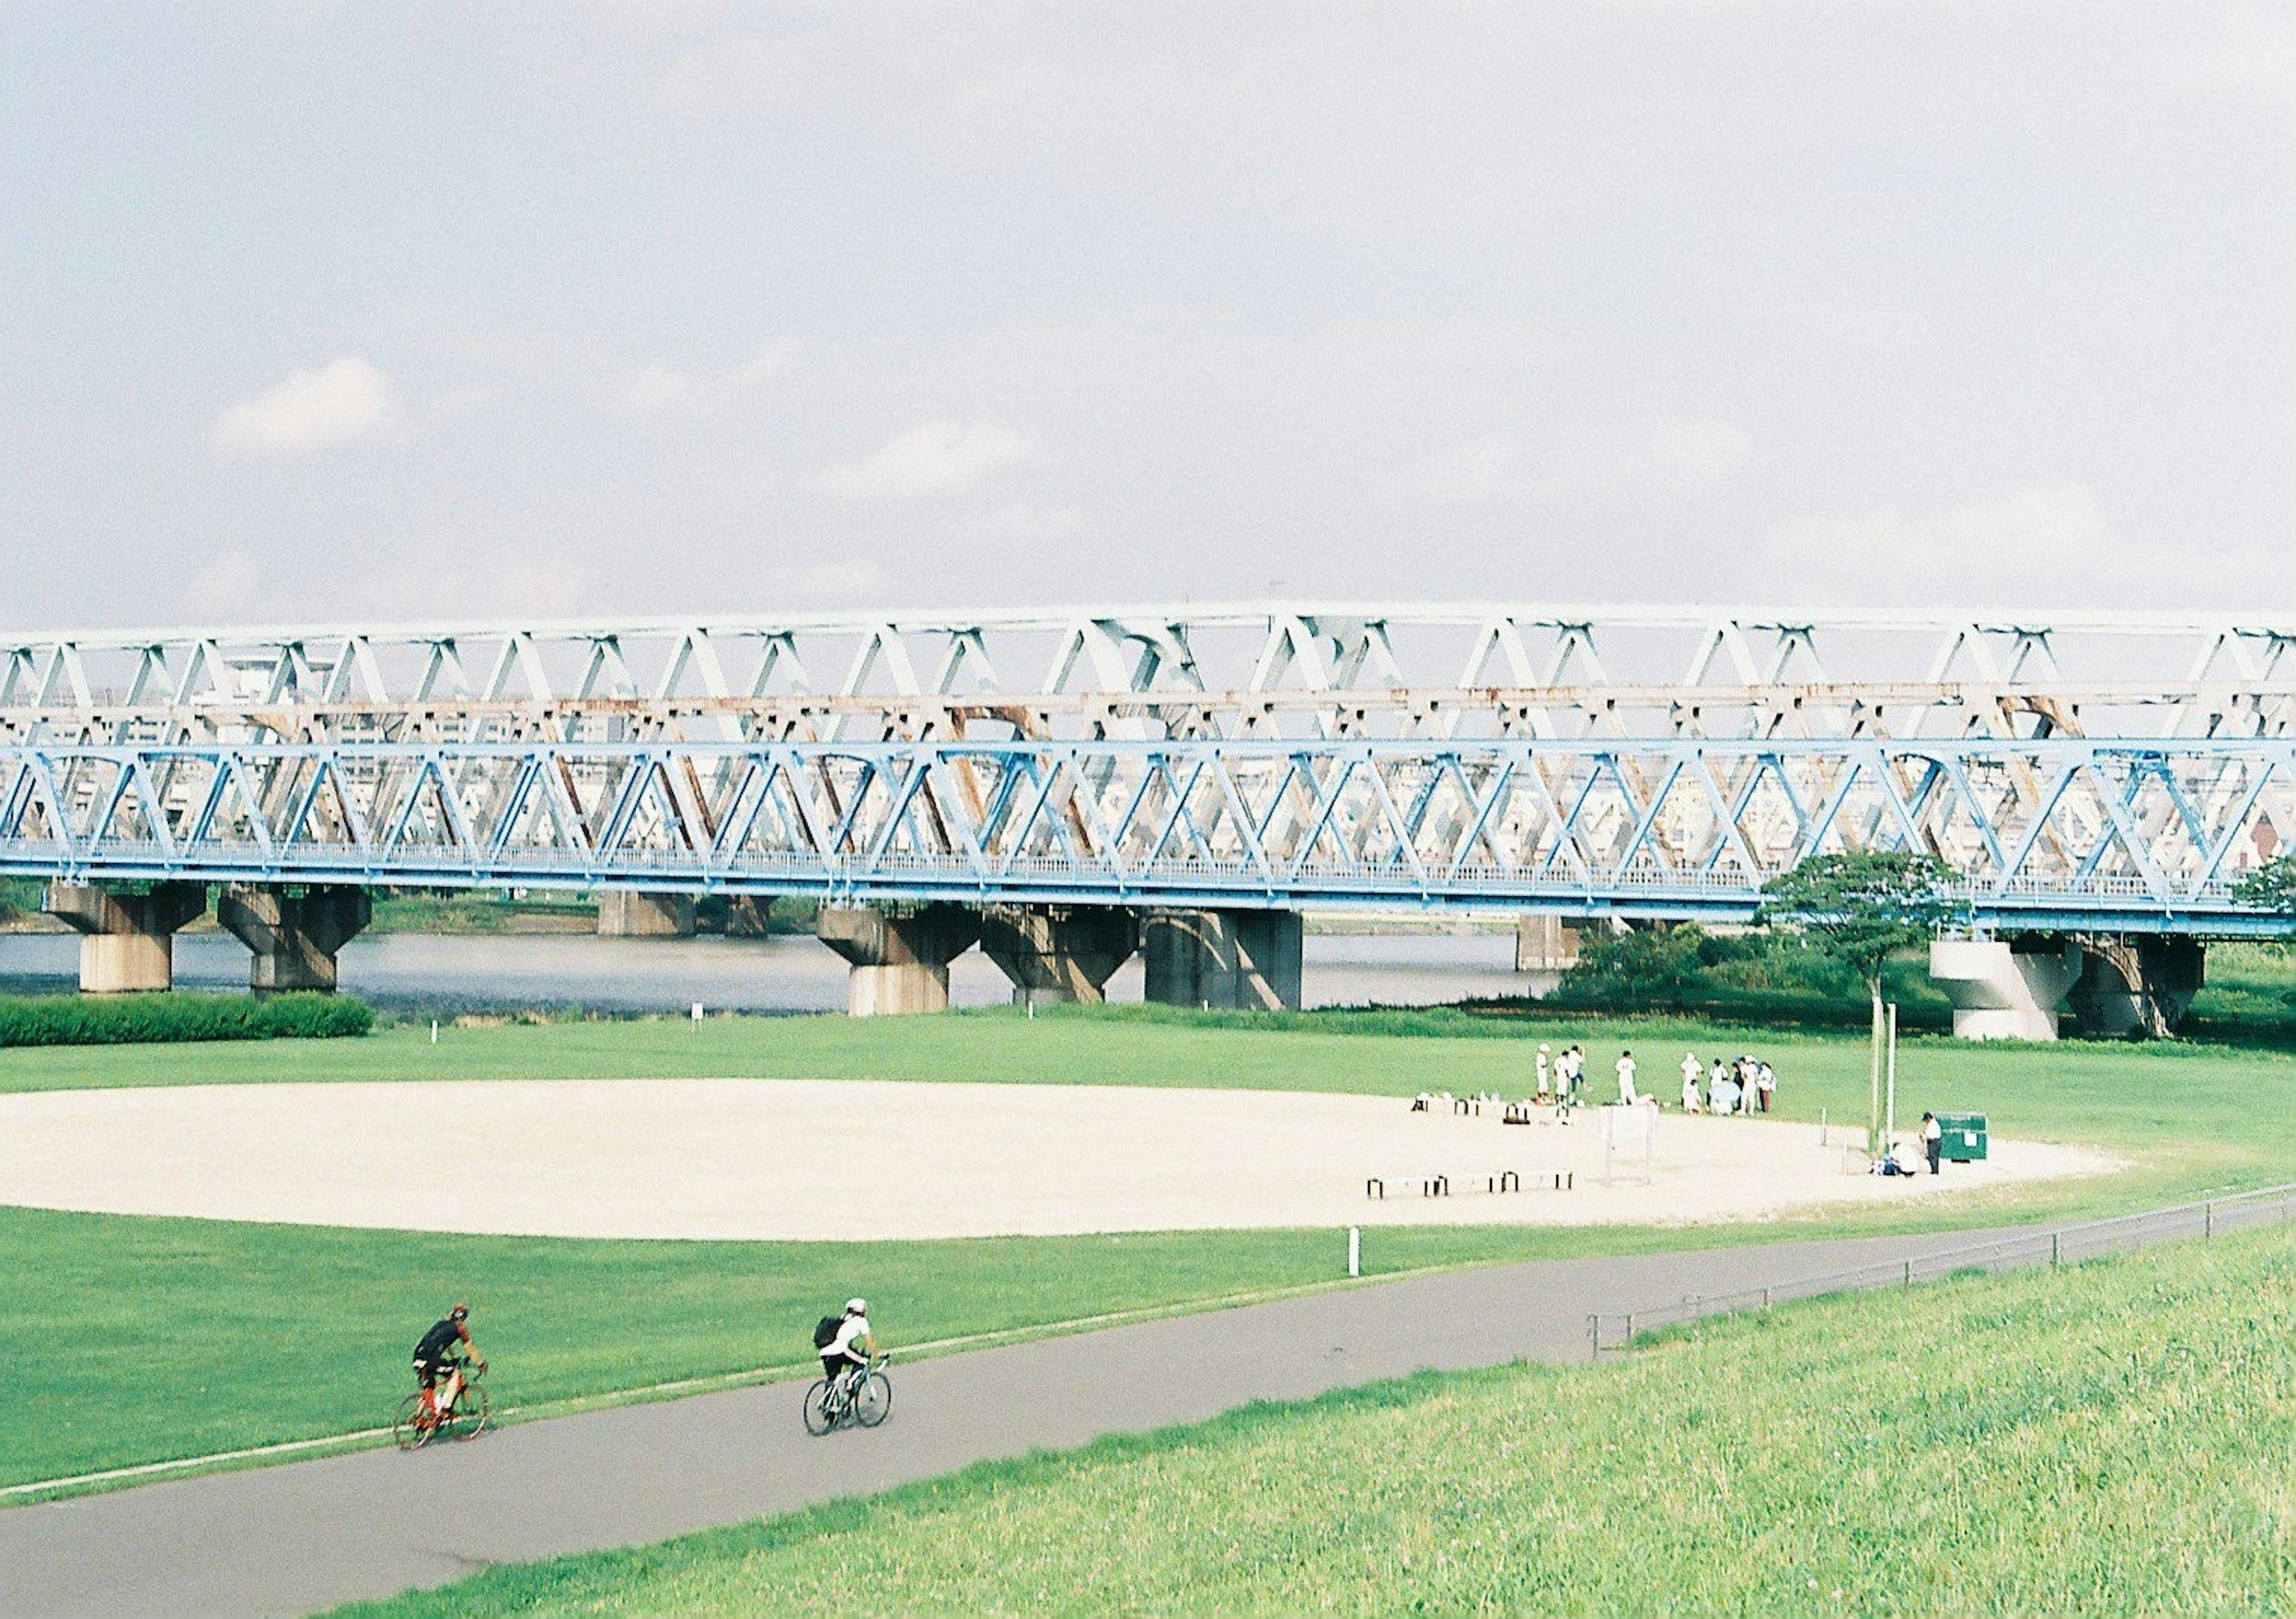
<point x="1962" y="1137"/>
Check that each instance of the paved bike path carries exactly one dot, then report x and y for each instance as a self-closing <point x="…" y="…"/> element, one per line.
<point x="292" y="1539"/>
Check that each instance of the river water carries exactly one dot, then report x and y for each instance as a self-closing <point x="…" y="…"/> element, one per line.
<point x="475" y="973"/>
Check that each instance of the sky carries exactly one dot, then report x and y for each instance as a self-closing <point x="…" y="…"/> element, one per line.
<point x="337" y="312"/>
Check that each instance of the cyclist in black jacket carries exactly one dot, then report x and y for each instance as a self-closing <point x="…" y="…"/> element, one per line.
<point x="435" y="1353"/>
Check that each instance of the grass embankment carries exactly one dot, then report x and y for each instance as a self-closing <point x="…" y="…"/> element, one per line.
<point x="134" y="1338"/>
<point x="2114" y="1438"/>
<point x="153" y="1311"/>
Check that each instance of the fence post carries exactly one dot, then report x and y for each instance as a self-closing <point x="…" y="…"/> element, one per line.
<point x="2053" y="1250"/>
<point x="1594" y="1336"/>
<point x="2208" y="1220"/>
<point x="1765" y="1299"/>
<point x="1909" y="1273"/>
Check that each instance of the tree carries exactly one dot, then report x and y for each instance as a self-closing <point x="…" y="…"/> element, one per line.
<point x="1862" y="909"/>
<point x="2271" y="886"/>
<point x="1642" y="965"/>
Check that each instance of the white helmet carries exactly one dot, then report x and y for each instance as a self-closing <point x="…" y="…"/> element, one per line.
<point x="856" y="1306"/>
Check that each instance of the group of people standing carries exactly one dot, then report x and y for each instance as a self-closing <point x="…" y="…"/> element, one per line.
<point x="1559" y="1079"/>
<point x="1743" y="1086"/>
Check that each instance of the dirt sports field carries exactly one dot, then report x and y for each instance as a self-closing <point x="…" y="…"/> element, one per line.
<point x="806" y="1159"/>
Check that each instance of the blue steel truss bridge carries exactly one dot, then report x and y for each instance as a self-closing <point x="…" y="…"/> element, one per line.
<point x="2080" y="774"/>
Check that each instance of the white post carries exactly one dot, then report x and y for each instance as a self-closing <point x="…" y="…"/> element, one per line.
<point x="1821" y="1126"/>
<point x="1889" y="1130"/>
<point x="697" y="1017"/>
<point x="434" y="1031"/>
<point x="1354" y="1250"/>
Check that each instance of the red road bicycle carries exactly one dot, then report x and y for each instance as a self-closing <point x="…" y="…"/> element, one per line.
<point x="463" y="1416"/>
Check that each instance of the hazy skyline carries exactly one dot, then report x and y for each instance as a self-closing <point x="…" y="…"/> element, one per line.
<point x="310" y="311"/>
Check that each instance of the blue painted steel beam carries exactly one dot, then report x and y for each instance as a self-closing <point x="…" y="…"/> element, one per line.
<point x="2103" y="835"/>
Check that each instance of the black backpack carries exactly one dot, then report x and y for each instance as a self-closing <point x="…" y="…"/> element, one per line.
<point x="825" y="1333"/>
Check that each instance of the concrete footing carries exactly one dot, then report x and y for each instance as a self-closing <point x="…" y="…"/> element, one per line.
<point x="633" y="913"/>
<point x="1059" y="952"/>
<point x="2002" y="991"/>
<point x="292" y="938"/>
<point x="900" y="959"/>
<point x="129" y="940"/>
<point x="2136" y="985"/>
<point x="1223" y="959"/>
<point x="1544" y="943"/>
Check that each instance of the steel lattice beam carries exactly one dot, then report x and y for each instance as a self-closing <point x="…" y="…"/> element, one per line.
<point x="2054" y="832"/>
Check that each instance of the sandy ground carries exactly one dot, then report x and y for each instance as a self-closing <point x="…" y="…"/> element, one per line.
<point x="823" y="1159"/>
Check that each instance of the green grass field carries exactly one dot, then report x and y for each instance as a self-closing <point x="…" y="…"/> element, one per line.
<point x="2115" y="1438"/>
<point x="126" y="1327"/>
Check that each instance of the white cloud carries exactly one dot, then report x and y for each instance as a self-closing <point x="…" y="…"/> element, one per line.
<point x="2252" y="52"/>
<point x="816" y="582"/>
<point x="340" y="403"/>
<point x="936" y="459"/>
<point x="1585" y="460"/>
<point x="1697" y="449"/>
<point x="224" y="587"/>
<point x="659" y="392"/>
<point x="461" y="401"/>
<point x="1490" y="467"/>
<point x="736" y="73"/>
<point x="2040" y="543"/>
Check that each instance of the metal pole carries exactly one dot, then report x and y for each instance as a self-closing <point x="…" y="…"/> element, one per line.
<point x="1889" y="1130"/>
<point x="1873" y="1083"/>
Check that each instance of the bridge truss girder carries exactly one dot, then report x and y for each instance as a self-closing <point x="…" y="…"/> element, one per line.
<point x="2056" y="832"/>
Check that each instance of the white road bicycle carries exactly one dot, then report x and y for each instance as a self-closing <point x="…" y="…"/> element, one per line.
<point x="855" y="1398"/>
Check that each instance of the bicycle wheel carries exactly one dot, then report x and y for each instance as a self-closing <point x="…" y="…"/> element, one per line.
<point x="406" y="1431"/>
<point x="819" y="1418"/>
<point x="873" y="1403"/>
<point x="468" y="1419"/>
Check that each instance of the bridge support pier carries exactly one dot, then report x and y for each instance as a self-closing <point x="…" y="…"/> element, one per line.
<point x="900" y="959"/>
<point x="2136" y="985"/>
<point x="127" y="940"/>
<point x="2004" y="990"/>
<point x="635" y="913"/>
<point x="1059" y="952"/>
<point x="1228" y="960"/>
<point x="293" y="939"/>
<point x="1545" y="943"/>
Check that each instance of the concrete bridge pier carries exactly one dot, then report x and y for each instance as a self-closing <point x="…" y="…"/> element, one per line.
<point x="294" y="936"/>
<point x="127" y="940"/>
<point x="1545" y="943"/>
<point x="2002" y="989"/>
<point x="901" y="958"/>
<point x="2112" y="985"/>
<point x="637" y="913"/>
<point x="2136" y="984"/>
<point x="1059" y="952"/>
<point x="1228" y="960"/>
